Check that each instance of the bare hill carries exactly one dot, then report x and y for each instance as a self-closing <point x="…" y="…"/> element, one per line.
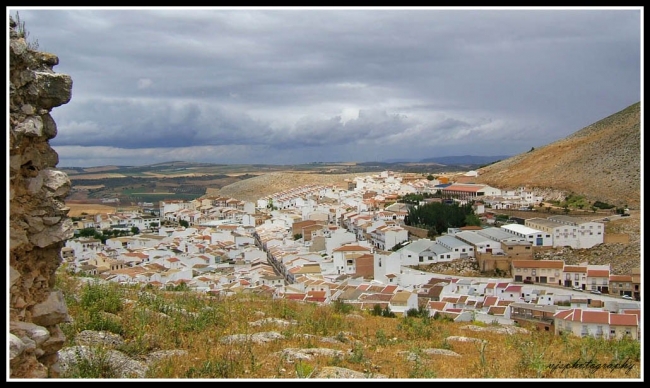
<point x="601" y="161"/>
<point x="253" y="189"/>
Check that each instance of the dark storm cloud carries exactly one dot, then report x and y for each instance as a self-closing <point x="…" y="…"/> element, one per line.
<point x="292" y="85"/>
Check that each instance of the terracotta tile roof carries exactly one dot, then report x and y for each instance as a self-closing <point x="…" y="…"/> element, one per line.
<point x="538" y="264"/>
<point x="470" y="189"/>
<point x="497" y="310"/>
<point x="351" y="248"/>
<point x="598" y="273"/>
<point x="295" y="296"/>
<point x="575" y="268"/>
<point x="490" y="301"/>
<point x="623" y="320"/>
<point x="389" y="289"/>
<point x="620" y="278"/>
<point x="440" y="306"/>
<point x="513" y="288"/>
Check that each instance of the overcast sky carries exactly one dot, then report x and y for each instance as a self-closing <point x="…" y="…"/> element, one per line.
<point x="299" y="85"/>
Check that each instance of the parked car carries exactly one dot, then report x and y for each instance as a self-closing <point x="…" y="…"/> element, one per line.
<point x="596" y="292"/>
<point x="528" y="281"/>
<point x="627" y="297"/>
<point x="577" y="289"/>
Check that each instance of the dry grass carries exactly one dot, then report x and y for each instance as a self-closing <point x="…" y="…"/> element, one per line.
<point x="96" y="176"/>
<point x="151" y="320"/>
<point x="79" y="209"/>
<point x="266" y="184"/>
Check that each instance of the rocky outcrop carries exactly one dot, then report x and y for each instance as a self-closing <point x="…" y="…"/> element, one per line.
<point x="38" y="218"/>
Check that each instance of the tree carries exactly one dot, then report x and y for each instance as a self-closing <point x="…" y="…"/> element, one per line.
<point x="135" y="230"/>
<point x="472" y="220"/>
<point x="184" y="223"/>
<point x="87" y="232"/>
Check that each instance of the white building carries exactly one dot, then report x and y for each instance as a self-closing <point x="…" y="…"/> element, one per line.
<point x="534" y="236"/>
<point x="570" y="231"/>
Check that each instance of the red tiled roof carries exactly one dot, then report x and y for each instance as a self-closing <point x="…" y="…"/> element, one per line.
<point x="389" y="289"/>
<point x="490" y="300"/>
<point x="497" y="310"/>
<point x="623" y="320"/>
<point x="575" y="268"/>
<point x="599" y="273"/>
<point x="469" y="189"/>
<point x="538" y="264"/>
<point x="351" y="248"/>
<point x="513" y="288"/>
<point x="440" y="306"/>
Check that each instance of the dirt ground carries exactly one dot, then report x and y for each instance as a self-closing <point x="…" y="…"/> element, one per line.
<point x="89" y="208"/>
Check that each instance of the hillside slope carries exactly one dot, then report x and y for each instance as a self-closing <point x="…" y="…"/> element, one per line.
<point x="601" y="161"/>
<point x="253" y="189"/>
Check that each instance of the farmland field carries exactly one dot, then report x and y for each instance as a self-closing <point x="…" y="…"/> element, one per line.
<point x="76" y="208"/>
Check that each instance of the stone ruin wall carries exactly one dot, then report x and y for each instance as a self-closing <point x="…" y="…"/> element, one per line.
<point x="38" y="218"/>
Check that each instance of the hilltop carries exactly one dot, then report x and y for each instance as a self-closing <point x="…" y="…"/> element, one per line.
<point x="601" y="161"/>
<point x="255" y="188"/>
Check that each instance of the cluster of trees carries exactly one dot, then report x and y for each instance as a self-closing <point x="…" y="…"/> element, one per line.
<point x="415" y="199"/>
<point x="107" y="233"/>
<point x="438" y="217"/>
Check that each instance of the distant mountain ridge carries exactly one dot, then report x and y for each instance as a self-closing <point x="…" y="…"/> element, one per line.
<point x="465" y="159"/>
<point x="601" y="161"/>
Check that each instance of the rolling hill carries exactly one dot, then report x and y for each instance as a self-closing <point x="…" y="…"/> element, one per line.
<point x="601" y="161"/>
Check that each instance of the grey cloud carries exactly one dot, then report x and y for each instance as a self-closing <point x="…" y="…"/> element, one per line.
<point x="424" y="80"/>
